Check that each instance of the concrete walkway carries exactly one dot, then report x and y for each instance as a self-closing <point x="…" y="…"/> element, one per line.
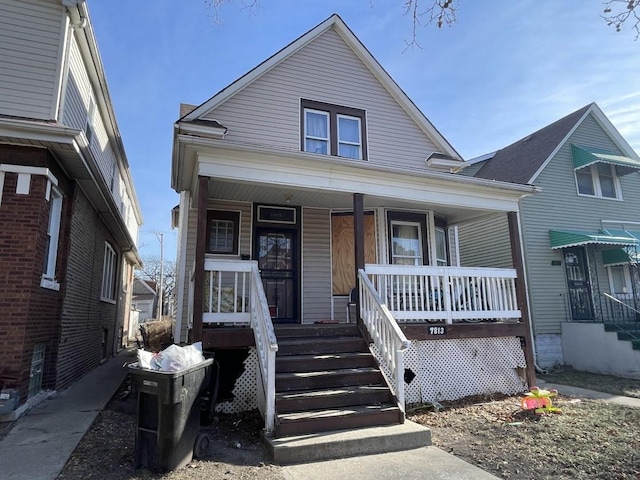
<point x="41" y="442"/>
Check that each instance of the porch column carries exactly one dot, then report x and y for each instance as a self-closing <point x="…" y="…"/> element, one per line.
<point x="521" y="295"/>
<point x="358" y="239"/>
<point x="198" y="278"/>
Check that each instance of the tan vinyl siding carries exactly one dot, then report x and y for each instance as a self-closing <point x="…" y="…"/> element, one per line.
<point x="316" y="264"/>
<point x="30" y="34"/>
<point x="267" y="112"/>
<point x="559" y="206"/>
<point x="486" y="243"/>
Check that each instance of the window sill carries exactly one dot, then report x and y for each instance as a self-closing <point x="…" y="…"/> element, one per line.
<point x="615" y="199"/>
<point x="107" y="300"/>
<point x="49" y="284"/>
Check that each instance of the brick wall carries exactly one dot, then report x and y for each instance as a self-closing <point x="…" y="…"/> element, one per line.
<point x="71" y="322"/>
<point x="85" y="318"/>
<point x="28" y="312"/>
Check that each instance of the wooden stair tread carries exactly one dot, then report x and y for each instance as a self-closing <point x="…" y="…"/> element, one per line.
<point x="346" y="390"/>
<point x="325" y="373"/>
<point x="337" y="412"/>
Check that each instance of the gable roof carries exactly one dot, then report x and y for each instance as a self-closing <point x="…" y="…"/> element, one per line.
<point x="522" y="161"/>
<point x="335" y="22"/>
<point x="142" y="286"/>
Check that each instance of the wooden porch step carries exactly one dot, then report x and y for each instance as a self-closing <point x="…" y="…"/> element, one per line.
<point x="324" y="361"/>
<point x="313" y="421"/>
<point x="292" y="381"/>
<point x="317" y="330"/>
<point x="316" y="345"/>
<point x="331" y="398"/>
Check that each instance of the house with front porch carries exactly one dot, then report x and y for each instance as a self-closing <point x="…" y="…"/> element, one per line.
<point x="580" y="237"/>
<point x="320" y="248"/>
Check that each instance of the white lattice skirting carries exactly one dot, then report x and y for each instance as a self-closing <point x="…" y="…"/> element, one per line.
<point x="244" y="391"/>
<point x="444" y="369"/>
<point x="457" y="368"/>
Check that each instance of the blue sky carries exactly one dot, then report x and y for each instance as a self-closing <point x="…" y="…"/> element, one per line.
<point x="504" y="70"/>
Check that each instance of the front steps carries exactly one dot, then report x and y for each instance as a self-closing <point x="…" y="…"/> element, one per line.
<point x="332" y="401"/>
<point x="629" y="332"/>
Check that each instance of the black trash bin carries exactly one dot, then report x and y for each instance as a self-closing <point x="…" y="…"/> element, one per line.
<point x="168" y="415"/>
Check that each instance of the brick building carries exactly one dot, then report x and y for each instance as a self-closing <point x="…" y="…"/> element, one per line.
<point x="69" y="216"/>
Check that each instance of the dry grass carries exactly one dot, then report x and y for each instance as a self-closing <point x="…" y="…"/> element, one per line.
<point x="158" y="334"/>
<point x="602" y="383"/>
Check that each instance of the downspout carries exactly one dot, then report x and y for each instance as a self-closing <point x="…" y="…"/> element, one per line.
<point x="73" y="7"/>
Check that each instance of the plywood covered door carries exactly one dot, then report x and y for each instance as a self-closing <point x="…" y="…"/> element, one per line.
<point x="343" y="250"/>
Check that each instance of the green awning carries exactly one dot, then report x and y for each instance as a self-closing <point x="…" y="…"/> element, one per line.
<point x="585" y="156"/>
<point x="572" y="238"/>
<point x="619" y="256"/>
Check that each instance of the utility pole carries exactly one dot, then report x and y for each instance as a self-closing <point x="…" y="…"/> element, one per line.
<point x="160" y="236"/>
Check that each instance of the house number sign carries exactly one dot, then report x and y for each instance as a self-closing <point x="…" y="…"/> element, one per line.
<point x="437" y="330"/>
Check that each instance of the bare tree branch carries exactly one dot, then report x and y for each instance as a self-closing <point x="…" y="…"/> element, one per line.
<point x="440" y="12"/>
<point x="618" y="12"/>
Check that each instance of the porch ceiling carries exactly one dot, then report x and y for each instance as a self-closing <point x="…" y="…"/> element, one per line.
<point x="316" y="198"/>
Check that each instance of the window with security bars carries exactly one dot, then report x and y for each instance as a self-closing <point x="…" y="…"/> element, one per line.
<point x="37" y="367"/>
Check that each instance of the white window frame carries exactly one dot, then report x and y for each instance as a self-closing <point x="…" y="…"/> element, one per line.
<point x="418" y="226"/>
<point x="53" y="236"/>
<point x="109" y="274"/>
<point x="327" y="140"/>
<point x="627" y="279"/>
<point x="595" y="181"/>
<point x="440" y="262"/>
<point x="344" y="142"/>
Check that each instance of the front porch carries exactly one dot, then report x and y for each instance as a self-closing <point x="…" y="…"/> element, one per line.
<point x="435" y="324"/>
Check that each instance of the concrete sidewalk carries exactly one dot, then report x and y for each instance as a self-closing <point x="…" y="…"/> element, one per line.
<point x="41" y="442"/>
<point x="591" y="394"/>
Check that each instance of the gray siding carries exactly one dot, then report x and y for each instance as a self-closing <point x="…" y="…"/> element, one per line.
<point x="30" y="34"/>
<point x="74" y="114"/>
<point x="316" y="264"/>
<point x="560" y="207"/>
<point x="267" y="112"/>
<point x="486" y="243"/>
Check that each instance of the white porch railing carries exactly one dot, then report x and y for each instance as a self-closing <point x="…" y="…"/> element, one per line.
<point x="226" y="291"/>
<point x="385" y="333"/>
<point x="233" y="294"/>
<point x="419" y="293"/>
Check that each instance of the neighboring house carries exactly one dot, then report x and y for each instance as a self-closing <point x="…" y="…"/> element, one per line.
<point x="580" y="239"/>
<point x="313" y="166"/>
<point x="69" y="215"/>
<point x="145" y="299"/>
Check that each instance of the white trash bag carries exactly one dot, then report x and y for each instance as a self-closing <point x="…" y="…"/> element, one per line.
<point x="173" y="358"/>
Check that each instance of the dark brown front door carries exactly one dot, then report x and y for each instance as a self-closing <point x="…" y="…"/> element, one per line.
<point x="575" y="264"/>
<point x="277" y="261"/>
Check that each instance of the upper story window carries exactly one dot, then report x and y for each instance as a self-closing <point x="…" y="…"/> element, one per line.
<point x="223" y="232"/>
<point x="333" y="130"/>
<point x="109" y="270"/>
<point x="89" y="126"/>
<point x="598" y="180"/>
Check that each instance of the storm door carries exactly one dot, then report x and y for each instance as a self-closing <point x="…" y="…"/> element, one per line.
<point x="577" y="270"/>
<point x="277" y="261"/>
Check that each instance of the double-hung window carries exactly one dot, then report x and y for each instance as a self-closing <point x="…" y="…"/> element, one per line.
<point x="598" y="180"/>
<point x="109" y="270"/>
<point x="406" y="243"/>
<point x="333" y="130"/>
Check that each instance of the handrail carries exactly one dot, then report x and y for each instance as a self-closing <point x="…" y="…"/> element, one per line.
<point x="611" y="297"/>
<point x="266" y="346"/>
<point x="387" y="337"/>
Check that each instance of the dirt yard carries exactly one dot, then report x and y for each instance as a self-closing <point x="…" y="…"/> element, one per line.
<point x="589" y="440"/>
